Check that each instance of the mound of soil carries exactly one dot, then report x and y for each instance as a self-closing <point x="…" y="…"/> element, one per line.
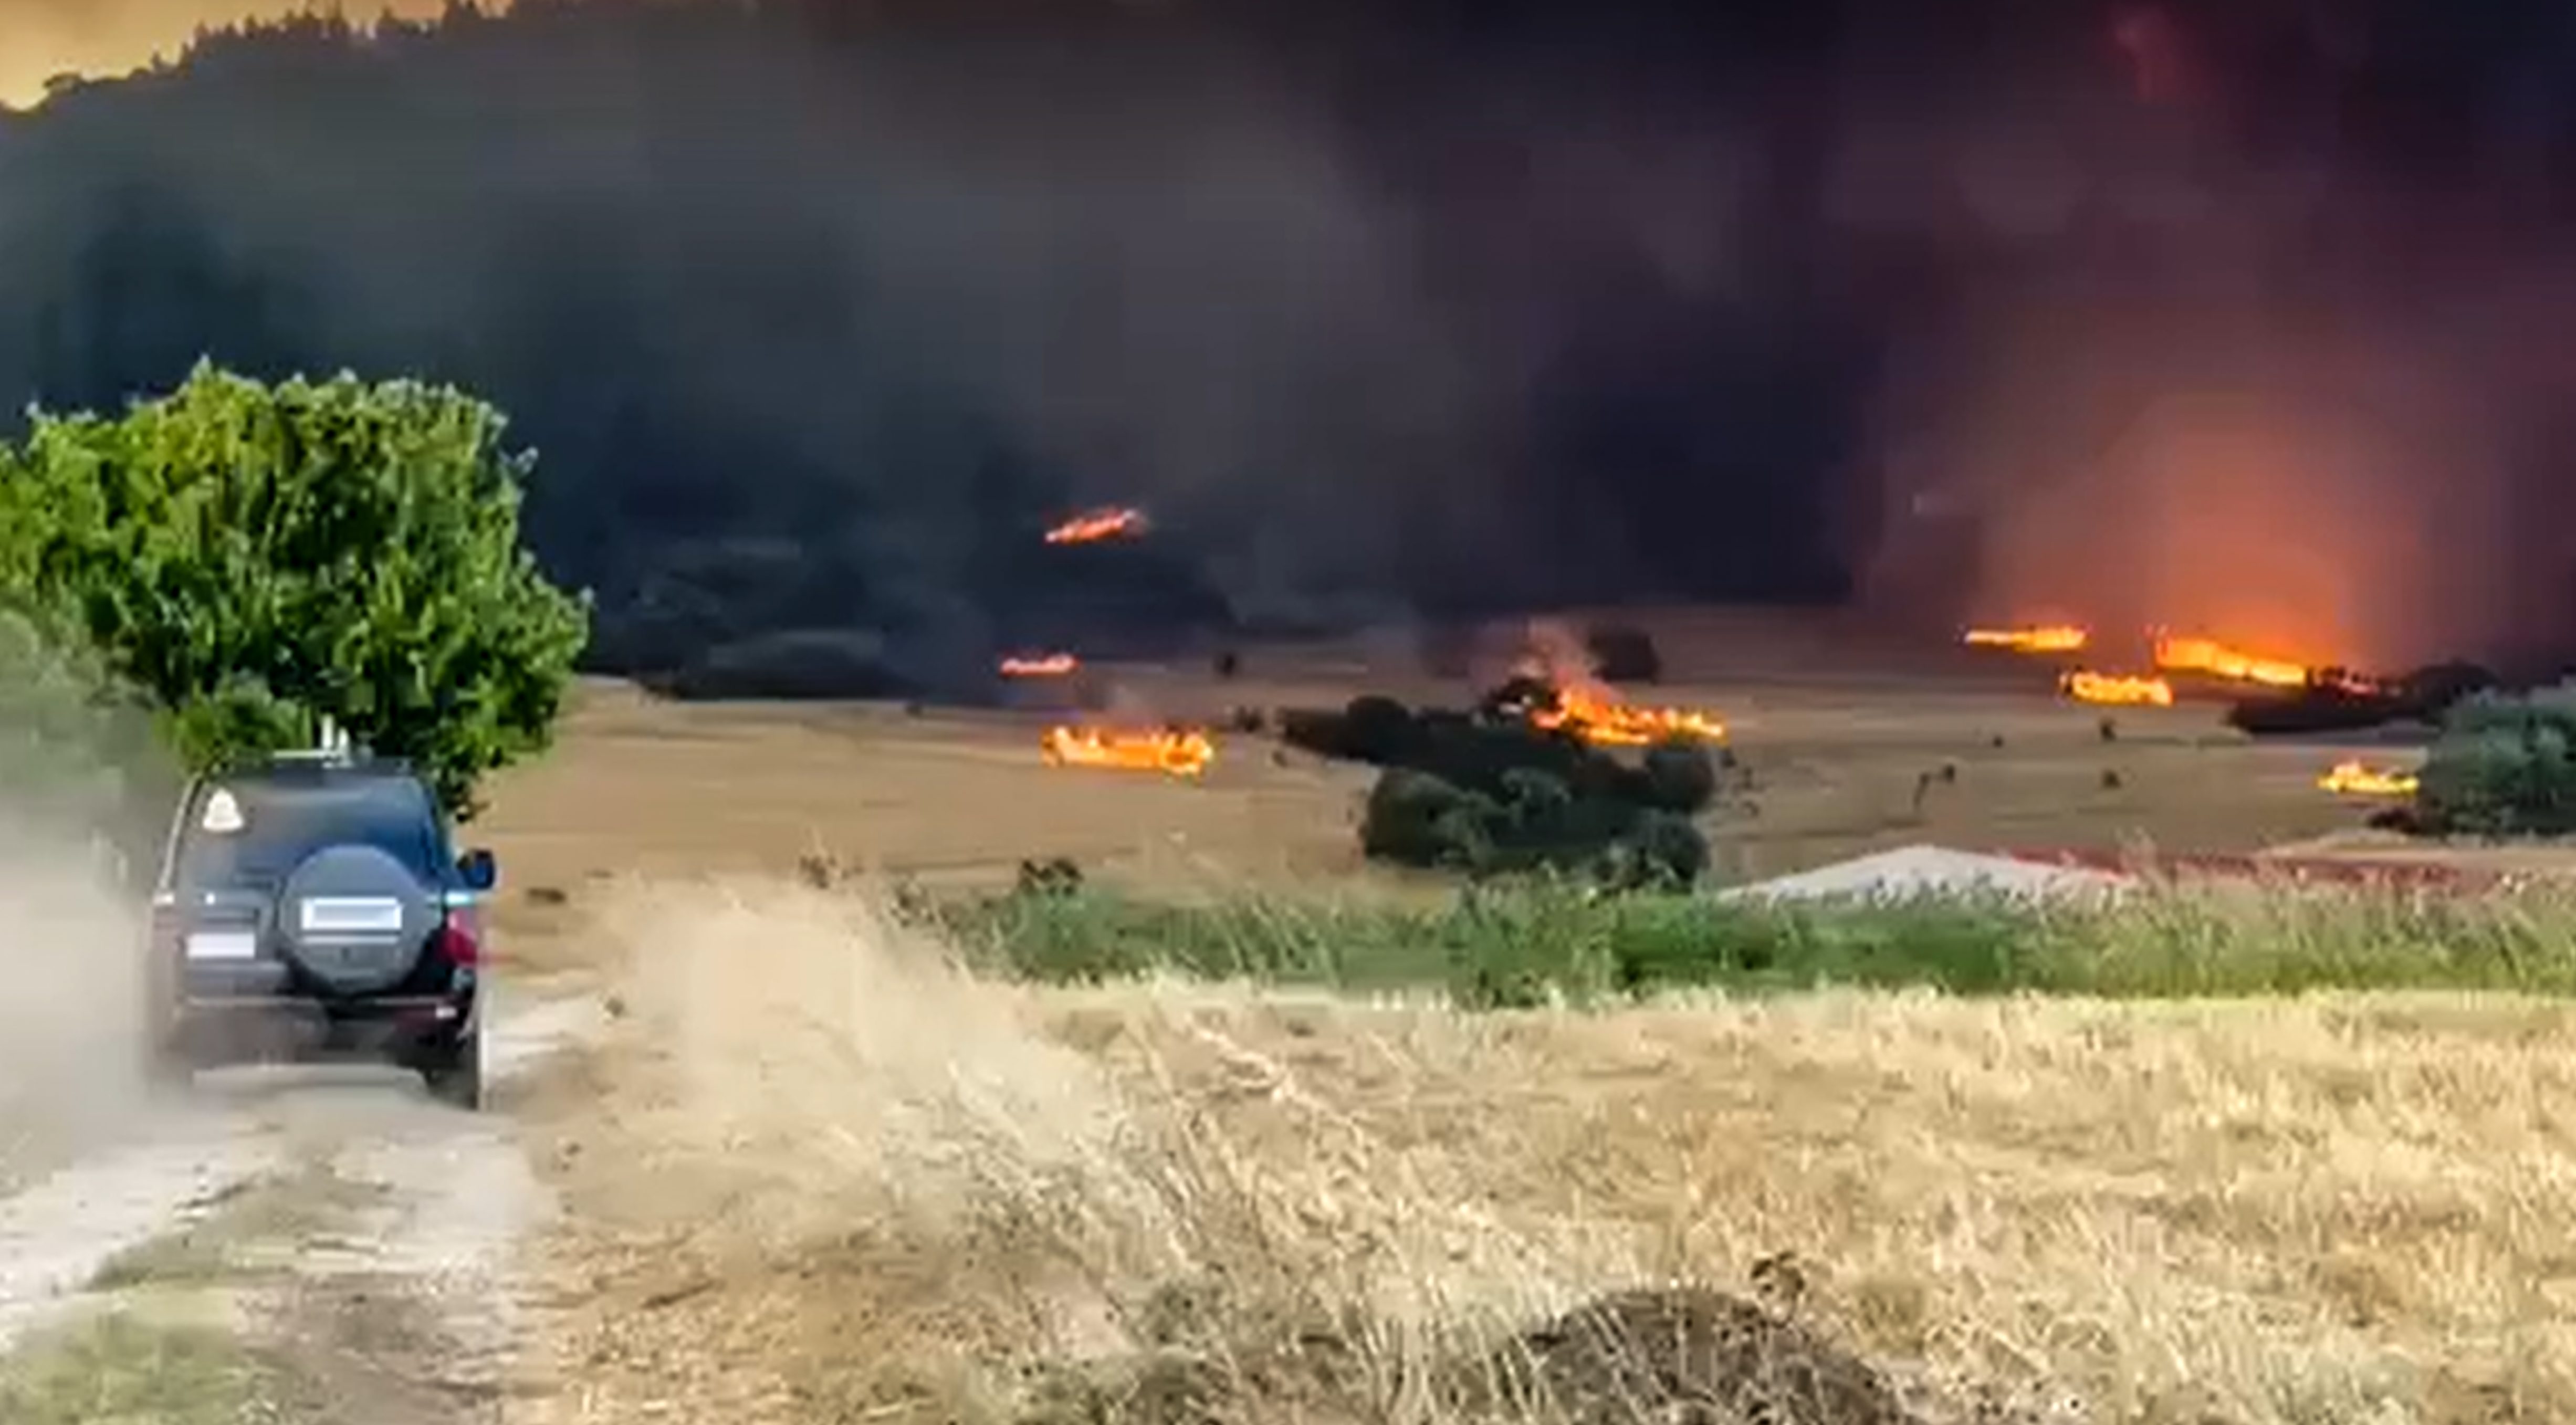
<point x="1646" y="1357"/>
<point x="1697" y="1356"/>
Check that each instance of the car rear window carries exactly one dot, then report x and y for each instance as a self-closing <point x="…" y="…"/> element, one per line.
<point x="278" y="826"/>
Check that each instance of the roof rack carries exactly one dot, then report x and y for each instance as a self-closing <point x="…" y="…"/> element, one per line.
<point x="332" y="748"/>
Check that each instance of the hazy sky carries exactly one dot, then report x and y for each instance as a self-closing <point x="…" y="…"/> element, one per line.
<point x="44" y="38"/>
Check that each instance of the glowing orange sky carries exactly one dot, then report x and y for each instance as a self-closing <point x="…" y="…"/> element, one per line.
<point x="100" y="38"/>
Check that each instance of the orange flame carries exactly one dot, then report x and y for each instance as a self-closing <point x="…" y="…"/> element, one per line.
<point x="1096" y="525"/>
<point x="1174" y="752"/>
<point x="2118" y="689"/>
<point x="1052" y="665"/>
<point x="2204" y="655"/>
<point x="2353" y="779"/>
<point x="1596" y="715"/>
<point x="2048" y="638"/>
<point x="1581" y="704"/>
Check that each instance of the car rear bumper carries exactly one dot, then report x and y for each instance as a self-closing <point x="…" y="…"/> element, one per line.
<point x="213" y="1030"/>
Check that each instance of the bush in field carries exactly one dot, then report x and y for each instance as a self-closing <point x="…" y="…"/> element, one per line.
<point x="1380" y="730"/>
<point x="1415" y="818"/>
<point x="1663" y="849"/>
<point x="1680" y="777"/>
<point x="2503" y="766"/>
<point x="254" y="557"/>
<point x="1488" y="792"/>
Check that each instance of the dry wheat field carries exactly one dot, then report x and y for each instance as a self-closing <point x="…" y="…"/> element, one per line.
<point x="816" y="1171"/>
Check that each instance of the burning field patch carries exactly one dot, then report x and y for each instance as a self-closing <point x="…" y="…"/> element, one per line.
<point x="2117" y="690"/>
<point x="1040" y="665"/>
<point x="1551" y="769"/>
<point x="1173" y="752"/>
<point x="2267" y="694"/>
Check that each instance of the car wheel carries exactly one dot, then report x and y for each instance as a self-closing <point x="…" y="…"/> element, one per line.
<point x="455" y="1077"/>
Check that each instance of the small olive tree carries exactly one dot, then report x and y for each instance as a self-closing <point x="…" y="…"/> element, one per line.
<point x="255" y="557"/>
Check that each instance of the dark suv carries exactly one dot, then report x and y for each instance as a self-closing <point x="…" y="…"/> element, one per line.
<point x="311" y="909"/>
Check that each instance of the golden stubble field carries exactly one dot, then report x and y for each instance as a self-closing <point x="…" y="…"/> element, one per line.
<point x="817" y="1174"/>
<point x="639" y="786"/>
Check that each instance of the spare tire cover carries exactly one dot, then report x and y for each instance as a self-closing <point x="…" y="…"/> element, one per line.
<point x="367" y="935"/>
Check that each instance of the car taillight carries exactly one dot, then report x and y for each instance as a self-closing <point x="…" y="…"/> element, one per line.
<point x="457" y="942"/>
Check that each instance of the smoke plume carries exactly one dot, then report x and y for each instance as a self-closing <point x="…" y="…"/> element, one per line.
<point x="2260" y="344"/>
<point x="2238" y="318"/>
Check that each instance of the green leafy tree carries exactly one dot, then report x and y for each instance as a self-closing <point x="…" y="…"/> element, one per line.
<point x="2503" y="766"/>
<point x="256" y="557"/>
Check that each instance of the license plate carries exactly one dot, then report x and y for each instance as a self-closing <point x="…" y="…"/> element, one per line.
<point x="223" y="945"/>
<point x="327" y="913"/>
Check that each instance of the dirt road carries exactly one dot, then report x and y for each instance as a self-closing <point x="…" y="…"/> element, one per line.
<point x="290" y="1245"/>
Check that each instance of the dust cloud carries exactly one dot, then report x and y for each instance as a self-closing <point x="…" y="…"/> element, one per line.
<point x="83" y="788"/>
<point x="1026" y="1170"/>
<point x="821" y="1053"/>
<point x="71" y="1020"/>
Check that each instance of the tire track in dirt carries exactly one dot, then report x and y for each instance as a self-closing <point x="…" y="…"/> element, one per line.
<point x="57" y="1235"/>
<point x="389" y="1289"/>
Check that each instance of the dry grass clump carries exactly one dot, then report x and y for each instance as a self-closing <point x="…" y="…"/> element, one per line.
<point x="830" y="1175"/>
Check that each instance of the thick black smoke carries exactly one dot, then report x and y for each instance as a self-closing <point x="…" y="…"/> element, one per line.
<point x="2257" y="342"/>
<point x="2241" y="315"/>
